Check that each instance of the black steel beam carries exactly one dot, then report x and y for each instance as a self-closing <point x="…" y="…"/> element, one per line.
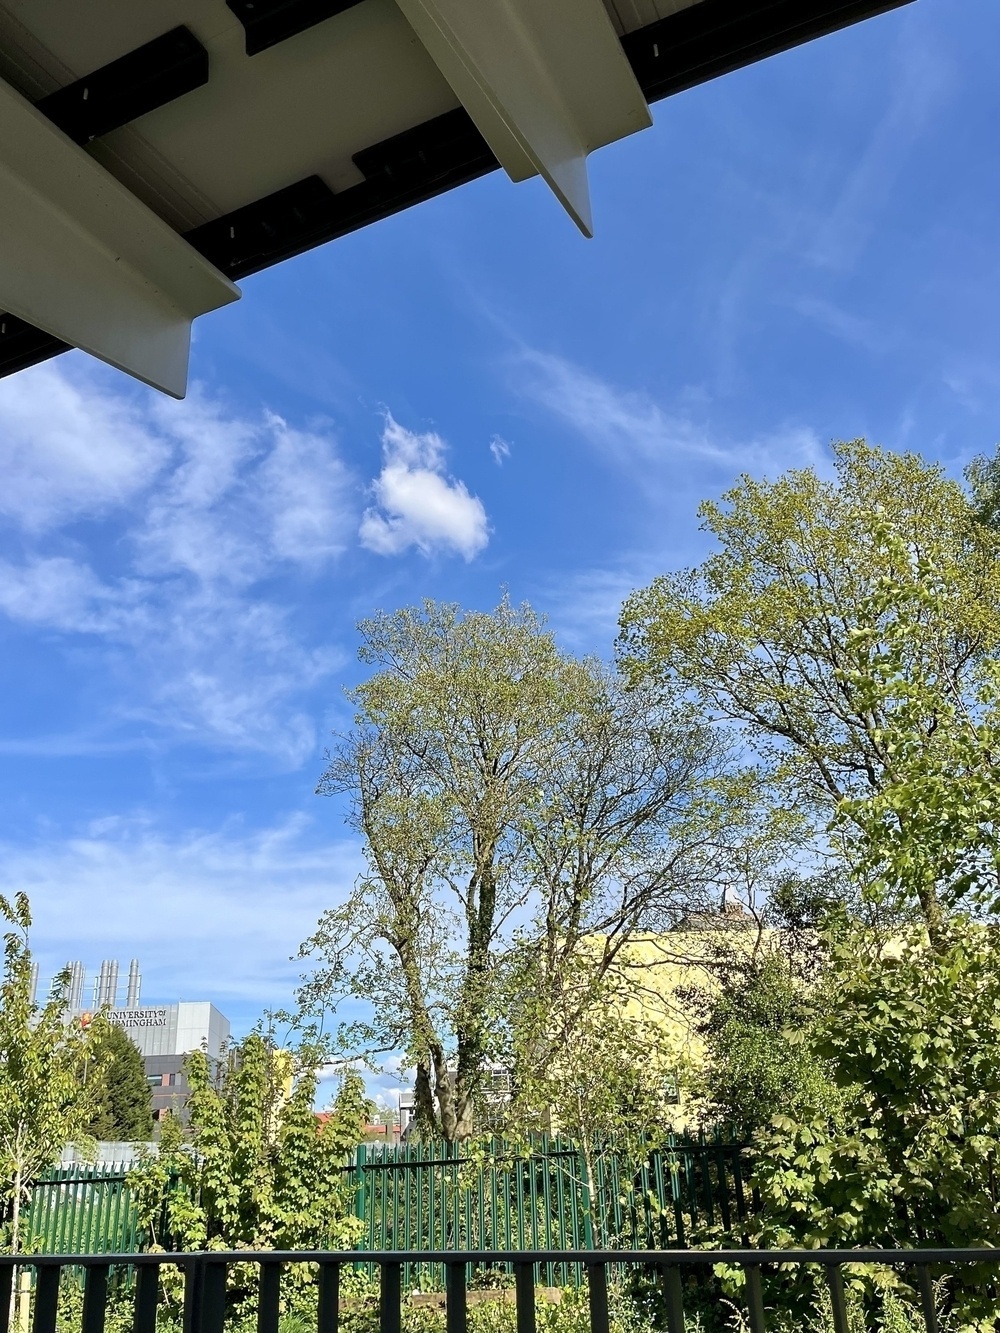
<point x="22" y="345"/>
<point x="404" y="170"/>
<point x="268" y="22"/>
<point x="146" y="78"/>
<point x="243" y="241"/>
<point x="715" y="37"/>
<point x="700" y="43"/>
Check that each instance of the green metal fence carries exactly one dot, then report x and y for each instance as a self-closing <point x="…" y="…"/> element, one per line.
<point x="430" y="1196"/>
<point x="427" y="1197"/>
<point x="83" y="1209"/>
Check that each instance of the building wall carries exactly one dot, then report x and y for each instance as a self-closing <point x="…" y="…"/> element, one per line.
<point x="168" y="1087"/>
<point x="164" y="1035"/>
<point x="173" y="1029"/>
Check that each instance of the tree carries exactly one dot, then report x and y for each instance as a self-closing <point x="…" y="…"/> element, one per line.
<point x="496" y="782"/>
<point x="757" y="1067"/>
<point x="121" y="1103"/>
<point x="606" y="1087"/>
<point x="782" y="630"/>
<point x="260" y="1170"/>
<point x="909" y="1155"/>
<point x="42" y="1104"/>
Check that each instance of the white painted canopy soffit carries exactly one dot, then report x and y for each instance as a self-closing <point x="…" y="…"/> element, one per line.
<point x="153" y="154"/>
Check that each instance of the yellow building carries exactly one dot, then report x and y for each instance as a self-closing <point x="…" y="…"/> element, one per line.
<point x="665" y="980"/>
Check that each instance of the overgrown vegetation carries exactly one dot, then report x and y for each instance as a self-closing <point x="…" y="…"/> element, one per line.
<point x="800" y="737"/>
<point x="121" y="1105"/>
<point x="43" y="1105"/>
<point x="255" y="1168"/>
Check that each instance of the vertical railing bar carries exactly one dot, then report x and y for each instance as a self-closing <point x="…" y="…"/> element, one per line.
<point x="412" y="1235"/>
<point x="560" y="1206"/>
<point x="269" y="1298"/>
<point x="38" y="1210"/>
<point x="648" y="1176"/>
<point x="390" y="1315"/>
<point x="524" y="1291"/>
<point x="835" y="1278"/>
<point x="46" y="1297"/>
<point x="755" y="1298"/>
<point x="675" y="1190"/>
<point x="673" y="1296"/>
<point x="741" y="1202"/>
<point x="103" y="1222"/>
<point x="723" y="1184"/>
<point x="120" y="1206"/>
<point x="519" y="1186"/>
<point x="927" y="1298"/>
<point x="597" y="1297"/>
<point x="328" y="1305"/>
<point x="191" y="1318"/>
<point x="95" y="1298"/>
<point x="706" y="1182"/>
<point x="6" y="1295"/>
<point x="480" y="1242"/>
<point x="147" y="1290"/>
<point x="213" y="1297"/>
<point x="468" y="1243"/>
<point x="63" y="1221"/>
<point x="457" y="1315"/>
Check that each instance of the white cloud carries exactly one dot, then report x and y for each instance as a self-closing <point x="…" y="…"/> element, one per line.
<point x="585" y="606"/>
<point x="212" y="504"/>
<point x="417" y="504"/>
<point x="60" y="593"/>
<point x="304" y="496"/>
<point x="245" y="496"/>
<point x="624" y="425"/>
<point x="70" y="449"/>
<point x="634" y="432"/>
<point x="843" y="324"/>
<point x="203" y="663"/>
<point x="500" y="449"/>
<point x="211" y="914"/>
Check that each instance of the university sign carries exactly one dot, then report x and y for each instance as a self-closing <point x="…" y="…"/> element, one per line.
<point x="138" y="1018"/>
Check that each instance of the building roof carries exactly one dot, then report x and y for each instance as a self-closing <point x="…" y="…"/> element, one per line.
<point x="152" y="154"/>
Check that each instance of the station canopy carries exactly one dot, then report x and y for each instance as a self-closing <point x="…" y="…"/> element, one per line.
<point x="154" y="153"/>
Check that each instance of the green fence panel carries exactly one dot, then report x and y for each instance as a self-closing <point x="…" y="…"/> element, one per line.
<point x="430" y="1196"/>
<point x="83" y="1209"/>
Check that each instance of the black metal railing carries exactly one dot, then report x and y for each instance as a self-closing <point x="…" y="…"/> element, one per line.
<point x="206" y="1274"/>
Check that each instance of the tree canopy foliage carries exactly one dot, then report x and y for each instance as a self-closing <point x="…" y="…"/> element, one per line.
<point x="42" y="1103"/>
<point x="507" y="793"/>
<point x="256" y="1168"/>
<point x="840" y="622"/>
<point x="121" y="1107"/>
<point x="908" y="1153"/>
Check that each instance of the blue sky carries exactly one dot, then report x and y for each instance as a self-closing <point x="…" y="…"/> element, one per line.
<point x="462" y="398"/>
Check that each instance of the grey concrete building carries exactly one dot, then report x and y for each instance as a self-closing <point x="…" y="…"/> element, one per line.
<point x="163" y="1034"/>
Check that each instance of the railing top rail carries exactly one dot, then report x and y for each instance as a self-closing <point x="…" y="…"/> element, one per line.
<point x="588" y="1257"/>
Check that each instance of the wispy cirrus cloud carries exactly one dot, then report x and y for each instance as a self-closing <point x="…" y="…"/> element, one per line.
<point x="69" y="450"/>
<point x="635" y="432"/>
<point x="499" y="450"/>
<point x="168" y="898"/>
<point x="202" y="508"/>
<point x="920" y="82"/>
<point x="417" y="504"/>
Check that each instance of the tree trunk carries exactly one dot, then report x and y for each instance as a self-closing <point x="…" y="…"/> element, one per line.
<point x="933" y="913"/>
<point x="444" y="1087"/>
<point x="15" y="1216"/>
<point x="425" y="1113"/>
<point x="13" y="1311"/>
